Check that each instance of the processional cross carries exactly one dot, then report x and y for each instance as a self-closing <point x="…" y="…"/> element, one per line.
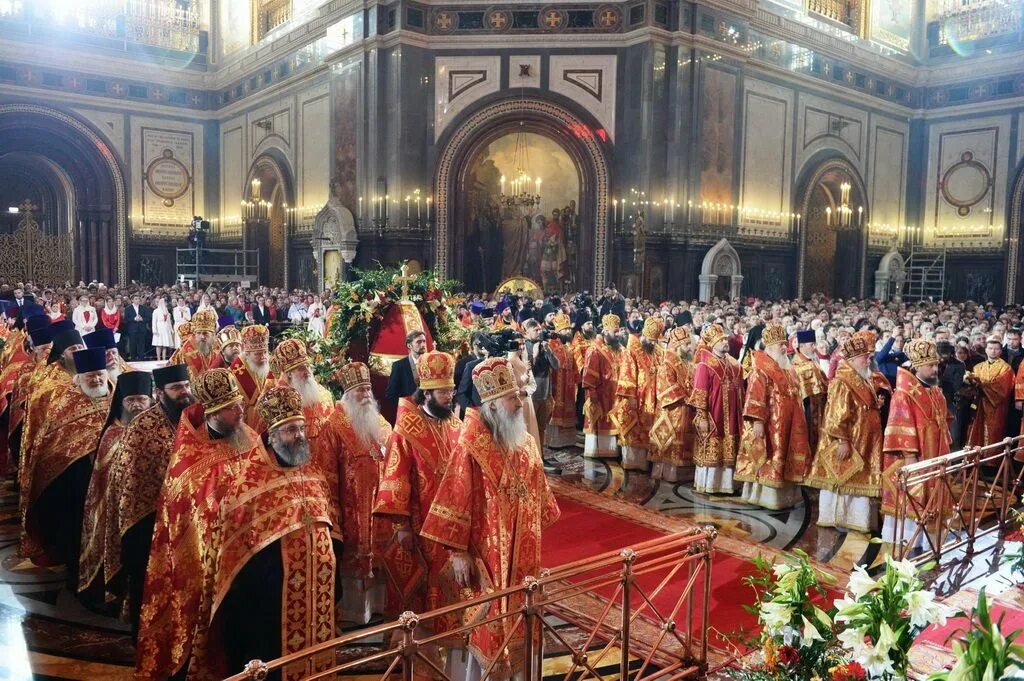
<point x="404" y="279"/>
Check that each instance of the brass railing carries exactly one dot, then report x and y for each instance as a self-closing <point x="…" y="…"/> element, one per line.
<point x="953" y="500"/>
<point x="637" y="609"/>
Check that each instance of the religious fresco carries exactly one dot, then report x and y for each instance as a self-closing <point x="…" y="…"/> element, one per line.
<point x="503" y="240"/>
<point x="892" y="23"/>
<point x="235" y="25"/>
<point x="718" y="121"/>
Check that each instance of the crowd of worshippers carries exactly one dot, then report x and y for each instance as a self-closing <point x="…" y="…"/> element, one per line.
<point x="230" y="512"/>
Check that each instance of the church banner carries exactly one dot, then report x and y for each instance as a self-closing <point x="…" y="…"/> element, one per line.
<point x="168" y="198"/>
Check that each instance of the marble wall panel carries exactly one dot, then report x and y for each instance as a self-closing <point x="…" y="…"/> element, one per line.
<point x="767" y="157"/>
<point x="588" y="79"/>
<point x="314" y="167"/>
<point x="459" y="82"/>
<point x="825" y="124"/>
<point x="167" y="177"/>
<point x="887" y="172"/>
<point x="234" y="165"/>
<point x="718" y="136"/>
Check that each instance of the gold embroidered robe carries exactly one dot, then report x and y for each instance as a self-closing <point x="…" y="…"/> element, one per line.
<point x="637" y="382"/>
<point x="772" y="398"/>
<point x="717" y="396"/>
<point x="995" y="380"/>
<point x="852" y="415"/>
<point x="600" y="373"/>
<point x="197" y="362"/>
<point x="673" y="434"/>
<point x="494" y="505"/>
<point x="918" y="429"/>
<point x="813" y="386"/>
<point x="253" y="389"/>
<point x="565" y="379"/>
<point x="95" y="518"/>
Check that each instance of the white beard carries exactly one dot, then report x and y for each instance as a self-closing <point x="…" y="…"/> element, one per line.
<point x="309" y="391"/>
<point x="94" y="393"/>
<point x="508" y="430"/>
<point x="259" y="371"/>
<point x="204" y="347"/>
<point x="365" y="419"/>
<point x="865" y="373"/>
<point x="782" y="359"/>
<point x="114" y="372"/>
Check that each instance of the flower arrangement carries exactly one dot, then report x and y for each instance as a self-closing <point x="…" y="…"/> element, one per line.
<point x="1015" y="545"/>
<point x="797" y="637"/>
<point x="358" y="308"/>
<point x="983" y="652"/>
<point x="882" y="618"/>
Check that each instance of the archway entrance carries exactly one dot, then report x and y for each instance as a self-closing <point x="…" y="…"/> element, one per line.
<point x="832" y="202"/>
<point x="269" y="195"/>
<point x="720" y="273"/>
<point x="69" y="176"/>
<point x="1015" y="230"/>
<point x="481" y="241"/>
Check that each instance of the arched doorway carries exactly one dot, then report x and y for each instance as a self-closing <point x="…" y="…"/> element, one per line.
<point x="833" y="203"/>
<point x="269" y="194"/>
<point x="472" y="226"/>
<point x="71" y="177"/>
<point x="1015" y="231"/>
<point x="720" y="273"/>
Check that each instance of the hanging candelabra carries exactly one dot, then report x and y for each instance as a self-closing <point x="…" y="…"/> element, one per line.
<point x="845" y="217"/>
<point x="523" y="190"/>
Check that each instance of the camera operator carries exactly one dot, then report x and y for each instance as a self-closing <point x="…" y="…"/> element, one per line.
<point x="612" y="302"/>
<point x="542" y="362"/>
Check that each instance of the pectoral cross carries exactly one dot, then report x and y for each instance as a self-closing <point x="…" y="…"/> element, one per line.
<point x="404" y="279"/>
<point x="307" y="519"/>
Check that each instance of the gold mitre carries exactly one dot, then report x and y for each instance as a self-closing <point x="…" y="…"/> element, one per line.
<point x="255" y="338"/>
<point x="713" y="335"/>
<point x="229" y="335"/>
<point x="653" y="328"/>
<point x="921" y="352"/>
<point x="857" y="346"/>
<point x="773" y="334"/>
<point x="562" y="322"/>
<point x="216" y="389"/>
<point x="679" y="336"/>
<point x="204" y="321"/>
<point x="279" y="405"/>
<point x="493" y="378"/>
<point x="611" y="322"/>
<point x="436" y="371"/>
<point x="185" y="331"/>
<point x="354" y="375"/>
<point x="290" y="354"/>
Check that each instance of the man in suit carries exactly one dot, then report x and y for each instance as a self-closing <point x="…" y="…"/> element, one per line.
<point x="951" y="380"/>
<point x="542" y="363"/>
<point x="403" y="380"/>
<point x="136" y="324"/>
<point x="466" y="395"/>
<point x="260" y="311"/>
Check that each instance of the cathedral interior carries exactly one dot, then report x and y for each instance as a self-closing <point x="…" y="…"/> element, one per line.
<point x="695" y="150"/>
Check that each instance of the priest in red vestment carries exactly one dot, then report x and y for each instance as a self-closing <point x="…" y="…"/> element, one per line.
<point x="672" y="435"/>
<point x="636" y="394"/>
<point x="561" y="431"/>
<point x="252" y="370"/>
<point x="201" y="351"/>
<point x="995" y="381"/>
<point x="600" y="377"/>
<point x="774" y="454"/>
<point x="812" y="382"/>
<point x="491" y="508"/>
<point x="243" y="563"/>
<point x="293" y="368"/>
<point x="418" y="452"/>
<point x="352" y="446"/>
<point x="918" y="429"/>
<point x="230" y="345"/>
<point x="717" y="399"/>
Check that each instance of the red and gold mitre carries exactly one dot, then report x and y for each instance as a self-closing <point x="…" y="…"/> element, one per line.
<point x="436" y="371"/>
<point x="255" y="338"/>
<point x="921" y="352"/>
<point x="611" y="322"/>
<point x="773" y="334"/>
<point x="653" y="328"/>
<point x="185" y="331"/>
<point x="857" y="346"/>
<point x="388" y="345"/>
<point x="713" y="335"/>
<point x="493" y="378"/>
<point x="216" y="389"/>
<point x="290" y="354"/>
<point x="562" y="322"/>
<point x="229" y="335"/>
<point x="279" y="405"/>
<point x="204" y="321"/>
<point x="680" y="335"/>
<point x="869" y="336"/>
<point x="354" y="375"/>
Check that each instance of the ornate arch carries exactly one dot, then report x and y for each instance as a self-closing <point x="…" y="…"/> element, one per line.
<point x="107" y="158"/>
<point x="814" y="171"/>
<point x="334" y="230"/>
<point x="721" y="261"/>
<point x="274" y="162"/>
<point x="1015" y="230"/>
<point x="465" y="134"/>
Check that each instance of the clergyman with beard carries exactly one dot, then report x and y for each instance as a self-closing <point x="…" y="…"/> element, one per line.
<point x="417" y="456"/>
<point x="61" y="465"/>
<point x="104" y="338"/>
<point x="292" y="364"/>
<point x="847" y="466"/>
<point x="599" y="379"/>
<point x="133" y="394"/>
<point x="494" y="488"/>
<point x="252" y="370"/>
<point x="353" y="443"/>
<point x="201" y="351"/>
<point x="918" y="429"/>
<point x="673" y="433"/>
<point x="230" y="345"/>
<point x="137" y="470"/>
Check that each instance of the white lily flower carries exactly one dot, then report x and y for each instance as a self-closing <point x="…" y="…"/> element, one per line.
<point x="853" y="640"/>
<point x="886" y="638"/>
<point x="775" y="616"/>
<point x="782" y="569"/>
<point x="860" y="582"/>
<point x="876" y="662"/>
<point x="906" y="570"/>
<point x="923" y="609"/>
<point x="809" y="634"/>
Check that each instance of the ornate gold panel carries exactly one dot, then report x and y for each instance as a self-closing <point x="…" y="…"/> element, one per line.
<point x="30" y="254"/>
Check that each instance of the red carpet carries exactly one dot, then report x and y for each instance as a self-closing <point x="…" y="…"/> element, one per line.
<point x="584" y="531"/>
<point x="1013" y="619"/>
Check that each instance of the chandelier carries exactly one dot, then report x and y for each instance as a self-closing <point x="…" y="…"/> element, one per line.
<point x="524" y="190"/>
<point x="842" y="218"/>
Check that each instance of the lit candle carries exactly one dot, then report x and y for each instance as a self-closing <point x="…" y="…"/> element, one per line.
<point x="828" y="215"/>
<point x="360" y="209"/>
<point x="502" y="181"/>
<point x="428" y="207"/>
<point x="408" y="214"/>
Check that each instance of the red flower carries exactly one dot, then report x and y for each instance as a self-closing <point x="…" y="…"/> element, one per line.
<point x="432" y="294"/>
<point x="1017" y="535"/>
<point x="851" y="671"/>
<point x="788" y="656"/>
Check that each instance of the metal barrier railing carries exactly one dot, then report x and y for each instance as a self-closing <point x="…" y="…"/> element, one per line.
<point x="645" y="588"/>
<point x="953" y="500"/>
